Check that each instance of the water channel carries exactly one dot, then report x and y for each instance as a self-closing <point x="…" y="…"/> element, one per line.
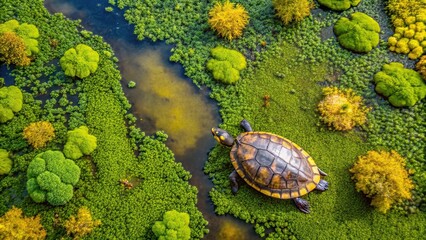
<point x="163" y="99"/>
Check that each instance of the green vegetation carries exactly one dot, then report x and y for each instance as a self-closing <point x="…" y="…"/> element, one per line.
<point x="226" y="64"/>
<point x="360" y="33"/>
<point x="51" y="178"/>
<point x="12" y="49"/>
<point x="402" y="86"/>
<point x="228" y="19"/>
<point x="97" y="102"/>
<point x="292" y="10"/>
<point x="382" y="177"/>
<point x="28" y="32"/>
<point x="339" y="5"/>
<point x="5" y="162"/>
<point x="173" y="226"/>
<point x="131" y="84"/>
<point x="291" y="82"/>
<point x="81" y="225"/>
<point x="80" y="61"/>
<point x="15" y="226"/>
<point x="342" y="109"/>
<point x="10" y="102"/>
<point x="79" y="143"/>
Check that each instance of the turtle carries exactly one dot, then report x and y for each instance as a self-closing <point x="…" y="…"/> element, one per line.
<point x="271" y="164"/>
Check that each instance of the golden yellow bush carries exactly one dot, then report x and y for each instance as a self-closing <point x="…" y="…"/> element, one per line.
<point x="39" y="133"/>
<point x="293" y="10"/>
<point x="421" y="66"/>
<point x="12" y="49"/>
<point x="13" y="226"/>
<point x="342" y="109"/>
<point x="81" y="225"/>
<point x="228" y="19"/>
<point x="382" y="177"/>
<point x="408" y="18"/>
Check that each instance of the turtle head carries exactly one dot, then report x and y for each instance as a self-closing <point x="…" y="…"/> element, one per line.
<point x="223" y="137"/>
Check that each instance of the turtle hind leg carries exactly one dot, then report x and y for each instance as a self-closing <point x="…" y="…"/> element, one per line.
<point x="233" y="177"/>
<point x="246" y="125"/>
<point x="322" y="185"/>
<point x="302" y="205"/>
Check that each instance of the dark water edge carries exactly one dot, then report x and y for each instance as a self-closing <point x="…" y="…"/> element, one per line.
<point x="132" y="54"/>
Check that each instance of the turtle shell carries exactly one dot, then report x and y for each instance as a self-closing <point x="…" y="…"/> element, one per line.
<point x="274" y="165"/>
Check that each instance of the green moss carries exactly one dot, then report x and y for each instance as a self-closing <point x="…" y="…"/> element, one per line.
<point x="358" y="34"/>
<point x="403" y="87"/>
<point x="79" y="143"/>
<point x="28" y="32"/>
<point x="5" y="162"/>
<point x="226" y="64"/>
<point x="339" y="5"/>
<point x="10" y="102"/>
<point x="80" y="61"/>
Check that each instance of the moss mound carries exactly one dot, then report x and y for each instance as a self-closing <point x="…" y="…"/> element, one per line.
<point x="360" y="33"/>
<point x="339" y="5"/>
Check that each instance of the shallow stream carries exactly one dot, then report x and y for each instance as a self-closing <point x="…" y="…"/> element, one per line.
<point x="163" y="99"/>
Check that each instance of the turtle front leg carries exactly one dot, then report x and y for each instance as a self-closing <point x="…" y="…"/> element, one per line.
<point x="234" y="184"/>
<point x="302" y="204"/>
<point x="246" y="125"/>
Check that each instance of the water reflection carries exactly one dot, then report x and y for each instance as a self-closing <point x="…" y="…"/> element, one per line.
<point x="163" y="99"/>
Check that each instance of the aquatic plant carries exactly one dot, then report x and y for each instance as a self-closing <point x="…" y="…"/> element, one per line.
<point x="421" y="67"/>
<point x="226" y="64"/>
<point x="228" y="19"/>
<point x="5" y="162"/>
<point x="381" y="176"/>
<point x="402" y="86"/>
<point x="12" y="49"/>
<point x="11" y="100"/>
<point x="39" y="133"/>
<point x="131" y="84"/>
<point x="339" y="5"/>
<point x="360" y="33"/>
<point x="292" y="10"/>
<point x="15" y="226"/>
<point x="408" y="18"/>
<point x="342" y="108"/>
<point x="80" y="61"/>
<point x="79" y="143"/>
<point x="81" y="225"/>
<point x="173" y="226"/>
<point x="28" y="32"/>
<point x="51" y="178"/>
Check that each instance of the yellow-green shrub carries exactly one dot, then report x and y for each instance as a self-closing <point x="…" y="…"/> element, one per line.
<point x="12" y="49"/>
<point x="11" y="100"/>
<point x="79" y="142"/>
<point x="342" y="109"/>
<point x="382" y="177"/>
<point x="39" y="133"/>
<point x="27" y="32"/>
<point x="408" y="18"/>
<point x="5" y="162"/>
<point x="292" y="10"/>
<point x="228" y="19"/>
<point x="13" y="226"/>
<point x="81" y="225"/>
<point x="226" y="64"/>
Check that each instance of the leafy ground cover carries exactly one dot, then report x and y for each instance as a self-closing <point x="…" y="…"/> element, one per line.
<point x="159" y="183"/>
<point x="279" y="93"/>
